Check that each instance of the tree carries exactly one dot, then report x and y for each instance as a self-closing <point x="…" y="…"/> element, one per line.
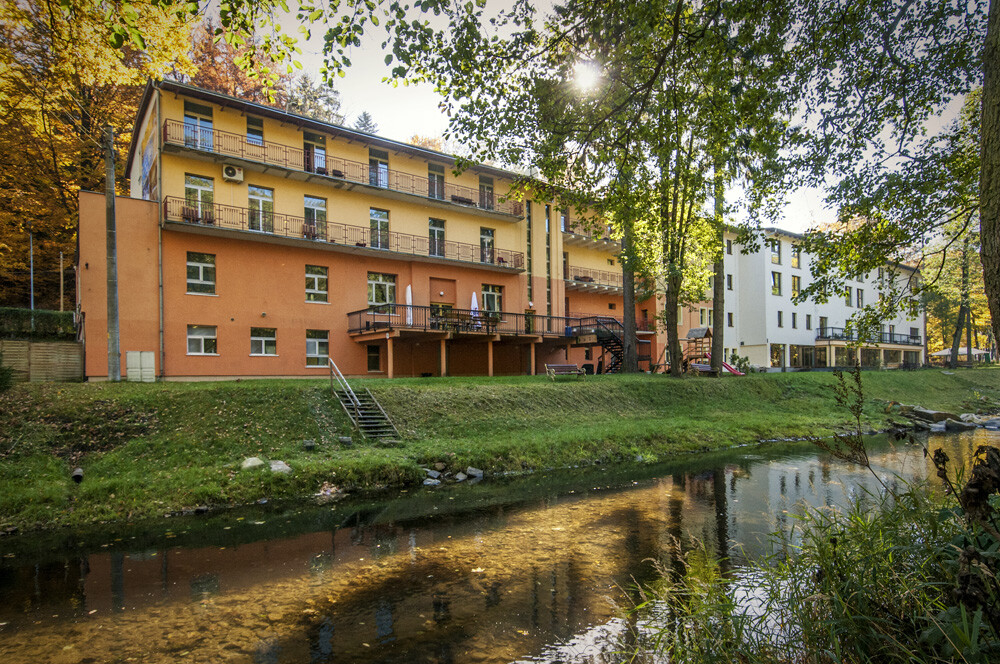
<point x="60" y="83"/>
<point x="366" y="123"/>
<point x="223" y="68"/>
<point x="436" y="143"/>
<point x="315" y="99"/>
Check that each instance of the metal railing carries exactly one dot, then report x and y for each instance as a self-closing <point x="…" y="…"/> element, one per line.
<point x="841" y="334"/>
<point x="590" y="276"/>
<point x="231" y="217"/>
<point x="386" y="317"/>
<point x="228" y="144"/>
<point x="597" y="234"/>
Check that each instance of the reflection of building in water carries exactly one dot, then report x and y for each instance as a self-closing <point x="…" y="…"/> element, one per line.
<point x="493" y="585"/>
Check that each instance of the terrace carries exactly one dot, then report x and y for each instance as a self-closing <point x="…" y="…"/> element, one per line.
<point x="335" y="171"/>
<point x="592" y="281"/>
<point x="344" y="237"/>
<point x="841" y="334"/>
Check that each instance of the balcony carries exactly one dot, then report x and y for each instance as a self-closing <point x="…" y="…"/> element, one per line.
<point x="840" y="334"/>
<point x="334" y="170"/>
<point x="457" y="322"/>
<point x="356" y="239"/>
<point x="574" y="235"/>
<point x="594" y="281"/>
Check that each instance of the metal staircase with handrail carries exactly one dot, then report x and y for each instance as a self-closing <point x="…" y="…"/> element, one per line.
<point x="364" y="410"/>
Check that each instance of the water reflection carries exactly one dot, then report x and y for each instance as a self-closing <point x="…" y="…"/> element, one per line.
<point x="527" y="579"/>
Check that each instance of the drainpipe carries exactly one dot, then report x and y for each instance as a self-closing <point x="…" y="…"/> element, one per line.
<point x="159" y="225"/>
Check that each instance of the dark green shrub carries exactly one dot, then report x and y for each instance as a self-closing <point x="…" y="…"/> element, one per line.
<point x="40" y="324"/>
<point x="6" y="376"/>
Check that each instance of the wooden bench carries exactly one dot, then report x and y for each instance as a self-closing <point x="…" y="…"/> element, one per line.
<point x="554" y="370"/>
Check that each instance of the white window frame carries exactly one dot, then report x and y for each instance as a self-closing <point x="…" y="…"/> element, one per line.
<point x="314" y="348"/>
<point x="317" y="283"/>
<point x="262" y="339"/>
<point x="775" y="283"/>
<point x="202" y="268"/>
<point x="435" y="237"/>
<point x="386" y="283"/>
<point x="314" y="214"/>
<point x="199" y="200"/>
<point x="201" y="334"/>
<point x="492" y="297"/>
<point x="257" y="202"/>
<point x="378" y="228"/>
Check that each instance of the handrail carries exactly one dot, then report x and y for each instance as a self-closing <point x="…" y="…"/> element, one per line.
<point x="590" y="275"/>
<point x="177" y="209"/>
<point x="228" y="144"/>
<point x="344" y="385"/>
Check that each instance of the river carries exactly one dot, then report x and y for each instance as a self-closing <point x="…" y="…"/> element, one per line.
<point x="527" y="569"/>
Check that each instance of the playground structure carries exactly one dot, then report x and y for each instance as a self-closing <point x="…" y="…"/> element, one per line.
<point x="696" y="355"/>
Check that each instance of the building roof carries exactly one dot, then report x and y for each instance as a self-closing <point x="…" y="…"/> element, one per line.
<point x="302" y="121"/>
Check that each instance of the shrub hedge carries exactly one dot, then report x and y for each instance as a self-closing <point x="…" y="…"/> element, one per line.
<point x="47" y="325"/>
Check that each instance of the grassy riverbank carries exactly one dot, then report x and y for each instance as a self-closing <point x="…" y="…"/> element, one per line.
<point x="151" y="449"/>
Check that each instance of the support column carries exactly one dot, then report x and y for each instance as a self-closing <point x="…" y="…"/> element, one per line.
<point x="388" y="357"/>
<point x="444" y="356"/>
<point x="531" y="360"/>
<point x="489" y="357"/>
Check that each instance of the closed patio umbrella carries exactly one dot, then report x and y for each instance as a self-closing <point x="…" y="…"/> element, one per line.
<point x="409" y="306"/>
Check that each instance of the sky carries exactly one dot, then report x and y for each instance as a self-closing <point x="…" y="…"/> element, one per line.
<point x="400" y="112"/>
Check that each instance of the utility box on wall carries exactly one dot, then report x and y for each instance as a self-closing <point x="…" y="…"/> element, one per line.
<point x="140" y="366"/>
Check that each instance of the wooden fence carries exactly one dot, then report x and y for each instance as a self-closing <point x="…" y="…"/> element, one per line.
<point x="38" y="361"/>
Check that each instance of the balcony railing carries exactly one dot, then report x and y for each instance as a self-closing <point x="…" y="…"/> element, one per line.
<point x="228" y="144"/>
<point x="587" y="275"/>
<point x="600" y="234"/>
<point x="841" y="334"/>
<point x="384" y="317"/>
<point x="178" y="209"/>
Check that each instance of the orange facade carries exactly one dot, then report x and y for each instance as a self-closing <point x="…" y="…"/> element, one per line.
<point x="382" y="270"/>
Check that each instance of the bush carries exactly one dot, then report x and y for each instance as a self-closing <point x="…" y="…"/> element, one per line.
<point x="40" y="324"/>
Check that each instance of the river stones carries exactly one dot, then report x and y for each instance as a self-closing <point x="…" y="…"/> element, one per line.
<point x="250" y="463"/>
<point x="280" y="467"/>
<point x="958" y="425"/>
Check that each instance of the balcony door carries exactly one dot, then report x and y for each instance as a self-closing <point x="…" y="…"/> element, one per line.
<point x="487" y="247"/>
<point x="379" y="228"/>
<point x="260" y="215"/>
<point x="435" y="239"/>
<point x="378" y="168"/>
<point x="197" y="126"/>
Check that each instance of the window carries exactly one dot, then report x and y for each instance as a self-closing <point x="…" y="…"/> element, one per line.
<point x="314" y="153"/>
<point x="317" y="347"/>
<point x="486" y="192"/>
<point x="378" y="168"/>
<point x="381" y="289"/>
<point x="823" y="324"/>
<point x="566" y="267"/>
<point x="197" y="126"/>
<point x="611" y="261"/>
<point x="705" y="317"/>
<point x="775" y="246"/>
<point x="796" y="257"/>
<point x="374" y="357"/>
<point x="261" y="204"/>
<point x="781" y="319"/>
<point x="861" y="298"/>
<point x="914" y="332"/>
<point x="775" y="283"/>
<point x="379" y="220"/>
<point x="439" y="310"/>
<point x="263" y="341"/>
<point x="729" y="282"/>
<point x="796" y="285"/>
<point x="809" y="321"/>
<point x="486" y="245"/>
<point x="201" y="340"/>
<point x="198" y="197"/>
<point x="200" y="273"/>
<point x="435" y="181"/>
<point x="314" y="226"/>
<point x="492" y="297"/>
<point x="729" y="247"/>
<point x="563" y="220"/>
<point x="255" y="131"/>
<point x="611" y="305"/>
<point x="847" y="296"/>
<point x="777" y="355"/>
<point x="317" y="288"/>
<point x="435" y="239"/>
<point x="795" y="321"/>
<point x="729" y="319"/>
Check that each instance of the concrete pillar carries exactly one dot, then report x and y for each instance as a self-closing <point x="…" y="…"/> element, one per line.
<point x="444" y="356"/>
<point x="489" y="357"/>
<point x="388" y="357"/>
<point x="531" y="360"/>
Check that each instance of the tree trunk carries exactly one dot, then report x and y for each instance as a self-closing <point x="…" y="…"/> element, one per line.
<point x="671" y="304"/>
<point x="989" y="173"/>
<point x="630" y="353"/>
<point x="956" y="338"/>
<point x="719" y="291"/>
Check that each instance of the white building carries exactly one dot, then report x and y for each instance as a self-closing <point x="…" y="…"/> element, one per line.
<point x="763" y="323"/>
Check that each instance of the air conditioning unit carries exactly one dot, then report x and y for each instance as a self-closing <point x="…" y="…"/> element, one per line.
<point x="232" y="173"/>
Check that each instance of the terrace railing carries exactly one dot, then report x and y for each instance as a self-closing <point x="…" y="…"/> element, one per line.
<point x="229" y="144"/>
<point x="178" y="209"/>
<point x="587" y="275"/>
<point x="841" y="334"/>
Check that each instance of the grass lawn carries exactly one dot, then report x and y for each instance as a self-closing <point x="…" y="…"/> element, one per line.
<point x="147" y="449"/>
